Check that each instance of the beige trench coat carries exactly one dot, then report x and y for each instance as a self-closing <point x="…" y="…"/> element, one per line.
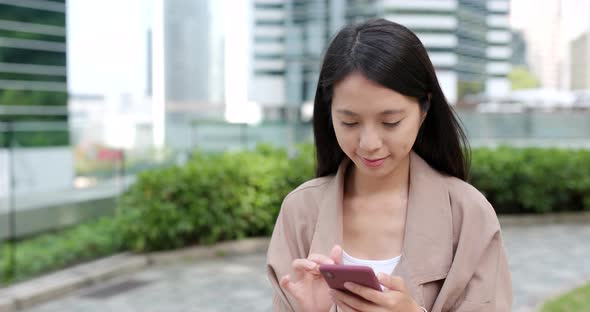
<point x="453" y="257"/>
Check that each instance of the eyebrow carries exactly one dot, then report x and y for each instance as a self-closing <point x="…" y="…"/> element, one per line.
<point x="386" y="112"/>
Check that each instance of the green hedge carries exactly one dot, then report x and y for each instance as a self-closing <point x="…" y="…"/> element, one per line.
<point x="53" y="251"/>
<point x="533" y="180"/>
<point x="235" y="195"/>
<point x="211" y="198"/>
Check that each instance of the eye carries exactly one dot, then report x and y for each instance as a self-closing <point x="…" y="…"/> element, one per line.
<point x="391" y="124"/>
<point x="349" y="124"/>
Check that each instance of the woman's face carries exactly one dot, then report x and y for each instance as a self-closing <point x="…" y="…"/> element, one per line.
<point x="375" y="126"/>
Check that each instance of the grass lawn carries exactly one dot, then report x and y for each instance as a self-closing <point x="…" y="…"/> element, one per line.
<point x="576" y="300"/>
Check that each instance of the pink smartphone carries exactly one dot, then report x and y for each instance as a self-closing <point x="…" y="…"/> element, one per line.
<point x="337" y="274"/>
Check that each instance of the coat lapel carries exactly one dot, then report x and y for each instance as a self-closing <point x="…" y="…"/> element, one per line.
<point x="328" y="230"/>
<point x="427" y="251"/>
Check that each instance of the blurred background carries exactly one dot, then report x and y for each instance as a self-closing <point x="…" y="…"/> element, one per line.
<point x="94" y="93"/>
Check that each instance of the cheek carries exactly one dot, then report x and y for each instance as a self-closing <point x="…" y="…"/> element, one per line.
<point x="397" y="143"/>
<point x="346" y="138"/>
<point x="404" y="139"/>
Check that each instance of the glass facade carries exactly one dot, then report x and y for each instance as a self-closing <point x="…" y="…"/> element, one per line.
<point x="33" y="71"/>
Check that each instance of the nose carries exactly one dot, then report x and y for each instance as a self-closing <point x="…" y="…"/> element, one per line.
<point x="370" y="140"/>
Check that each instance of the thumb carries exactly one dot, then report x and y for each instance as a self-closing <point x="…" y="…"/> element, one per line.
<point x="336" y="254"/>
<point x="394" y="283"/>
<point x="286" y="283"/>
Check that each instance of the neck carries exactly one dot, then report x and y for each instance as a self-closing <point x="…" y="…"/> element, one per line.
<point x="396" y="183"/>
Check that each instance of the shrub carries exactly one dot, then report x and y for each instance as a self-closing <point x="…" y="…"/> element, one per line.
<point x="238" y="194"/>
<point x="53" y="251"/>
<point x="533" y="180"/>
<point x="211" y="198"/>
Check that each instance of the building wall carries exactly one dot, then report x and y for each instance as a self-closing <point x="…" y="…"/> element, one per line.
<point x="33" y="71"/>
<point x="435" y="22"/>
<point x="187" y="25"/>
<point x="467" y="41"/>
<point x="31" y="173"/>
<point x="580" y="63"/>
<point x="544" y="36"/>
<point x="498" y="50"/>
<point x="471" y="47"/>
<point x="269" y="69"/>
<point x="192" y="54"/>
<point x="33" y="97"/>
<point x="519" y="49"/>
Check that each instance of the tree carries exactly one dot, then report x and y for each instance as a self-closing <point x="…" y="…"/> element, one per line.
<point x="521" y="78"/>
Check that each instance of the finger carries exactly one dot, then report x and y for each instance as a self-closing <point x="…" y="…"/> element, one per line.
<point x="302" y="266"/>
<point x="320" y="259"/>
<point x="343" y="307"/>
<point x="367" y="293"/>
<point x="394" y="283"/>
<point x="351" y="300"/>
<point x="336" y="254"/>
<point x="285" y="283"/>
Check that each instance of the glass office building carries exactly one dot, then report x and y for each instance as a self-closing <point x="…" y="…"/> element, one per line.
<point x="33" y="71"/>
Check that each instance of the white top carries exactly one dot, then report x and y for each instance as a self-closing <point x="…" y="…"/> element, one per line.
<point x="379" y="266"/>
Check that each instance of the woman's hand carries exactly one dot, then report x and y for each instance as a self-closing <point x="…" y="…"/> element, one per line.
<point x="394" y="298"/>
<point x="307" y="285"/>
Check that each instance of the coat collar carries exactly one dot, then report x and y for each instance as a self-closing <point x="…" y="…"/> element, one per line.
<point x="427" y="250"/>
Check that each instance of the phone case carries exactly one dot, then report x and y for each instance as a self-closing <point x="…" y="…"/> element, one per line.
<point x="337" y="274"/>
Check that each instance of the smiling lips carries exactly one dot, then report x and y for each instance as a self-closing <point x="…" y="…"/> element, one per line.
<point x="373" y="162"/>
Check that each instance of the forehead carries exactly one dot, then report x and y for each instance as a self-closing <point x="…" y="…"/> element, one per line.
<point x="355" y="92"/>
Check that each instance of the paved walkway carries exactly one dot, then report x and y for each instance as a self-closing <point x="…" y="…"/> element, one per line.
<point x="544" y="260"/>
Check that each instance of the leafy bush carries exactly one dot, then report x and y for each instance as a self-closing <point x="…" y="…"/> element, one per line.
<point x="211" y="198"/>
<point x="236" y="195"/>
<point x="533" y="180"/>
<point x="53" y="251"/>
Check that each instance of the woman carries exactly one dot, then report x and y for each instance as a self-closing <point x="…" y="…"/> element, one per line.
<point x="390" y="192"/>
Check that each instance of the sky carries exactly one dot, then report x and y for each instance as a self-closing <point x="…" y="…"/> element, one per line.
<point x="576" y="15"/>
<point x="107" y="46"/>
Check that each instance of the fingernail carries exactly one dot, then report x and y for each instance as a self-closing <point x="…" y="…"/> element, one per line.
<point x="348" y="285"/>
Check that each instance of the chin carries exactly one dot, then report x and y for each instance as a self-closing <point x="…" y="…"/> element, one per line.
<point x="381" y="172"/>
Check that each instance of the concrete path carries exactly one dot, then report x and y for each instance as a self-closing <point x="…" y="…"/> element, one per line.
<point x="544" y="260"/>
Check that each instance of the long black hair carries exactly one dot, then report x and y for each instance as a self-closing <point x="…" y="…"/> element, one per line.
<point x="392" y="56"/>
